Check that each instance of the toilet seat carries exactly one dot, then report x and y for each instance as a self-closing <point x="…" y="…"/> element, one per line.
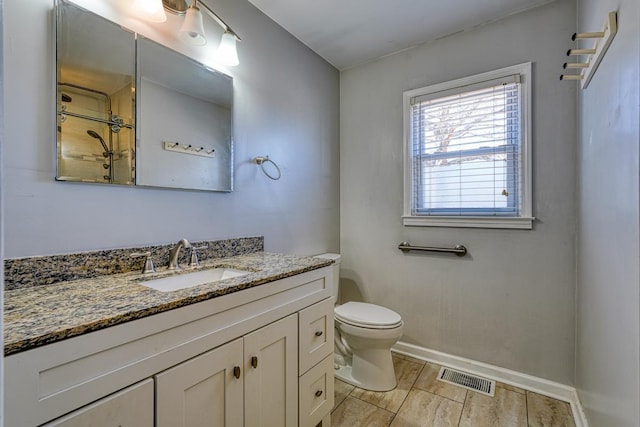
<point x="370" y="316"/>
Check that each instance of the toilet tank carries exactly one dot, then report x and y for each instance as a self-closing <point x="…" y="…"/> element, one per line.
<point x="336" y="271"/>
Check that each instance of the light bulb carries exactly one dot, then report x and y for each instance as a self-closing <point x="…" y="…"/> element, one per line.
<point x="227" y="53"/>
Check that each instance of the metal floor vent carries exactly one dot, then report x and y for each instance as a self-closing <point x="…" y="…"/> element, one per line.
<point x="468" y="381"/>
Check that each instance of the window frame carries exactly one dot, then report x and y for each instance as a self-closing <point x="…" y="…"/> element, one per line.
<point x="525" y="219"/>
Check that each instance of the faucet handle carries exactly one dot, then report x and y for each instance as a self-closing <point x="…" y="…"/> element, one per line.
<point x="148" y="264"/>
<point x="194" y="261"/>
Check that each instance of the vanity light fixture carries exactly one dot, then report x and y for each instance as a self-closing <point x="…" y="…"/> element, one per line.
<point x="192" y="29"/>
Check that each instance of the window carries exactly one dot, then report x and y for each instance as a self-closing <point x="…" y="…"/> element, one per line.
<point x="467" y="155"/>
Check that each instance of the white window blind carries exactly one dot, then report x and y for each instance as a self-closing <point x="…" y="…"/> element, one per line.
<point x="465" y="149"/>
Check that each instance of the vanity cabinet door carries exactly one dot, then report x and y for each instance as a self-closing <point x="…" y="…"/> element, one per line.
<point x="131" y="407"/>
<point x="203" y="391"/>
<point x="271" y="375"/>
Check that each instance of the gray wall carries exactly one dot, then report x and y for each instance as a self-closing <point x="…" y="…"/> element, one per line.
<point x="286" y="106"/>
<point x="607" y="371"/>
<point x="511" y="302"/>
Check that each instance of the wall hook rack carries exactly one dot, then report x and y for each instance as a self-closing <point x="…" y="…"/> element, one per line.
<point x="188" y="149"/>
<point x="593" y="55"/>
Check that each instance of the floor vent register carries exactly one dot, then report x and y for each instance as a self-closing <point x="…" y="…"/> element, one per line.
<point x="468" y="381"/>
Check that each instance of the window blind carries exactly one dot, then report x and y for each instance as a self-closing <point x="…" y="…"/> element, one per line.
<point x="465" y="150"/>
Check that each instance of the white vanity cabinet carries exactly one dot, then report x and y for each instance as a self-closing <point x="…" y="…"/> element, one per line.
<point x="190" y="355"/>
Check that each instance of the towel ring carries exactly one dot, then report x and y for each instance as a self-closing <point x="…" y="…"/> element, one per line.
<point x="262" y="160"/>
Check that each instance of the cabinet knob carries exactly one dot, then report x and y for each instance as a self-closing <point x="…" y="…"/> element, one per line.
<point x="254" y="361"/>
<point x="319" y="333"/>
<point x="318" y="393"/>
<point x="236" y="372"/>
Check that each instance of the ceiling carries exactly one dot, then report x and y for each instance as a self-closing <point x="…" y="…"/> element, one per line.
<point x="351" y="32"/>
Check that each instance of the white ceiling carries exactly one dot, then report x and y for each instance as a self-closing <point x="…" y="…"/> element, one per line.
<point x="350" y="32"/>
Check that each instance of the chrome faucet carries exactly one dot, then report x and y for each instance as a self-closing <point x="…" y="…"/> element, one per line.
<point x="175" y="253"/>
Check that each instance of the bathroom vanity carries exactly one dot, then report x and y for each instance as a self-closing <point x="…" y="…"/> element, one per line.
<point x="255" y="350"/>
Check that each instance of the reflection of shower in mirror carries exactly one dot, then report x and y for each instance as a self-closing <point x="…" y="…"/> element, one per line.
<point x="95" y="100"/>
<point x="94" y="134"/>
<point x="107" y="153"/>
<point x="83" y="111"/>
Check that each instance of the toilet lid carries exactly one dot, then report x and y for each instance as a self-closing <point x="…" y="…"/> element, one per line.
<point x="367" y="315"/>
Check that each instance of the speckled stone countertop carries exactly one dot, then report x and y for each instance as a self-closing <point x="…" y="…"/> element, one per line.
<point x="40" y="315"/>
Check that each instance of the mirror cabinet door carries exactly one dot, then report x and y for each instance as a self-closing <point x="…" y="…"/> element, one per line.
<point x="95" y="102"/>
<point x="184" y="121"/>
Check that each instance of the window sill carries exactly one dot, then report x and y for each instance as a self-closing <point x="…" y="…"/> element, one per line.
<point x="522" y="223"/>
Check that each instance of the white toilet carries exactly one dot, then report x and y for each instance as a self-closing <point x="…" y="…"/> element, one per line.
<point x="365" y="334"/>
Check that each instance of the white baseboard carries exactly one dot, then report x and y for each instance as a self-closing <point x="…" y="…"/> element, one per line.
<point x="528" y="382"/>
<point x="579" y="417"/>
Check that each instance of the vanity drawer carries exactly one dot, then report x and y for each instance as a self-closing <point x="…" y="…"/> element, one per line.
<point x="315" y="333"/>
<point x="316" y="393"/>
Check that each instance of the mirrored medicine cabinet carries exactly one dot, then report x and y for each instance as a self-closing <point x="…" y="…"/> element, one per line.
<point x="131" y="111"/>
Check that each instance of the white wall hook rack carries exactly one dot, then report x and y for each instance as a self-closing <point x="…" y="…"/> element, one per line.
<point x="188" y="149"/>
<point x="593" y="55"/>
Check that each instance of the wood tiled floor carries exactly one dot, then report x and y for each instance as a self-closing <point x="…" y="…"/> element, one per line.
<point x="420" y="400"/>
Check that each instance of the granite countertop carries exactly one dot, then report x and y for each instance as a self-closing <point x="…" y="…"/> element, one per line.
<point x="41" y="315"/>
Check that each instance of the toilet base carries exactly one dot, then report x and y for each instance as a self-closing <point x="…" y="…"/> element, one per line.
<point x="345" y="373"/>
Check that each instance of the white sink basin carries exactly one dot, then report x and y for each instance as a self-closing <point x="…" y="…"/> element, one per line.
<point x="187" y="280"/>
